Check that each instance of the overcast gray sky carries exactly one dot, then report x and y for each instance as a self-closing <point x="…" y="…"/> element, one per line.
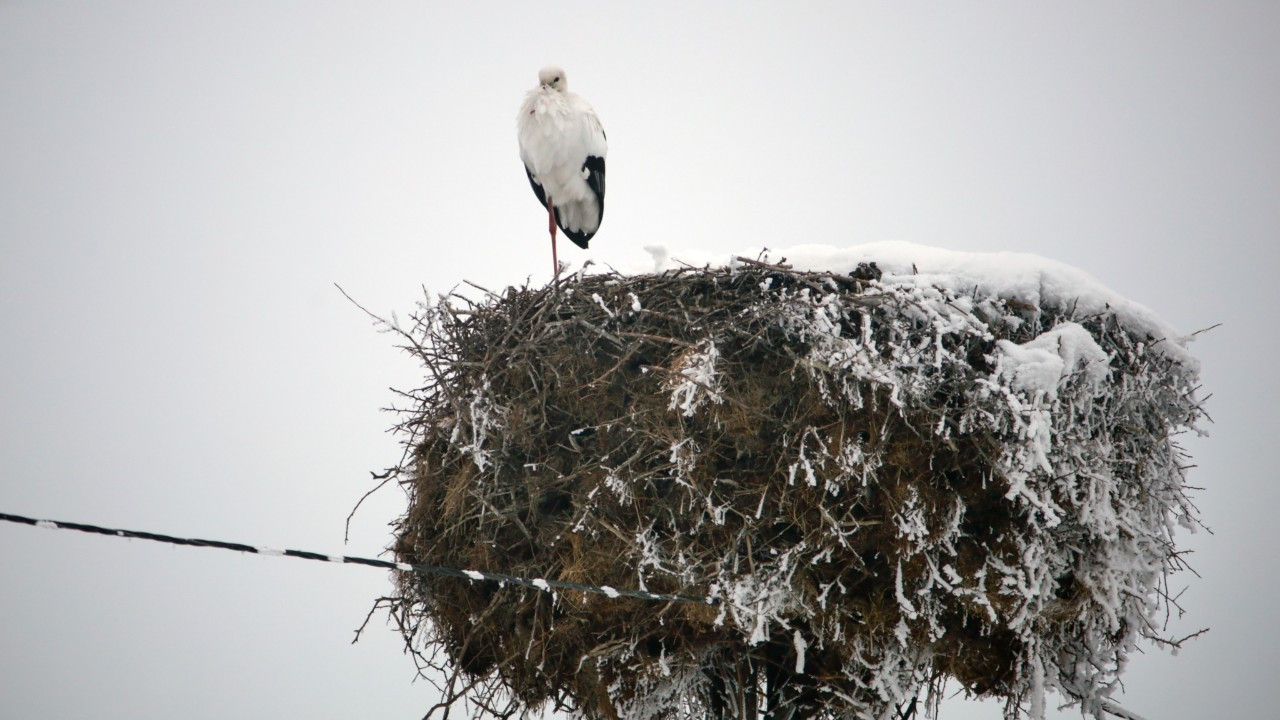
<point x="181" y="183"/>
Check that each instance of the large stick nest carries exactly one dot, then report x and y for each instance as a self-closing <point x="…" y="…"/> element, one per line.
<point x="871" y="484"/>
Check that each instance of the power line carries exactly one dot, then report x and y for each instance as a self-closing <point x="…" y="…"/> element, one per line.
<point x="543" y="584"/>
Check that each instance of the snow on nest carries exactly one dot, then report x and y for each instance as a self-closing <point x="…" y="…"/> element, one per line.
<point x="1031" y="279"/>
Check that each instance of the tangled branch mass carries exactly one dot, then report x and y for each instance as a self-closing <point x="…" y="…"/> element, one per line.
<point x="880" y="482"/>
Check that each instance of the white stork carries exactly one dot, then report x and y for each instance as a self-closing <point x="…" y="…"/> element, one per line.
<point x="562" y="146"/>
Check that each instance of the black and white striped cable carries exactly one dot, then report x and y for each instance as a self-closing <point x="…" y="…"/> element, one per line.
<point x="543" y="584"/>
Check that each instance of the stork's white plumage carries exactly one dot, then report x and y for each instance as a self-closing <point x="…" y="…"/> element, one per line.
<point x="563" y="146"/>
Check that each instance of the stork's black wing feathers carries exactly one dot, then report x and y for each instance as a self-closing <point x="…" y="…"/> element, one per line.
<point x="595" y="166"/>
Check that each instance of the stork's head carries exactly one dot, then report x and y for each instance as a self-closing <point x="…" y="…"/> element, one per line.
<point x="554" y="78"/>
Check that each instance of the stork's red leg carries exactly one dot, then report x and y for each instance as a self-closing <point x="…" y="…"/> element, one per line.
<point x="551" y="227"/>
